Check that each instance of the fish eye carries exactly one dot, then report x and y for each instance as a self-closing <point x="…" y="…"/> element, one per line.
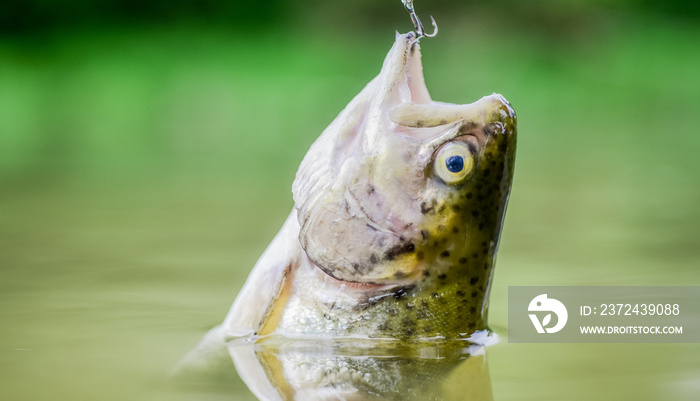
<point x="454" y="162"/>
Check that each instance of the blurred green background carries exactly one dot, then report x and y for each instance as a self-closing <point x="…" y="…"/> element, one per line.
<point x="147" y="151"/>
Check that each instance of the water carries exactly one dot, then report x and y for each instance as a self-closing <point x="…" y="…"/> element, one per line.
<point x="104" y="288"/>
<point x="111" y="270"/>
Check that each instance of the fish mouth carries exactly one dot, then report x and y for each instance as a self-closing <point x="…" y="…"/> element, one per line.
<point x="401" y="78"/>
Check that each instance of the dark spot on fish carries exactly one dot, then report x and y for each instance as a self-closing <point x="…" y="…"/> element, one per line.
<point x="420" y="255"/>
<point x="475" y="213"/>
<point x="442" y="208"/>
<point x="442" y="276"/>
<point x="472" y="325"/>
<point x="472" y="309"/>
<point x="493" y="163"/>
<point x="399" y="249"/>
<point x="502" y="147"/>
<point x="487" y="172"/>
<point x="455" y="229"/>
<point x="370" y="189"/>
<point x="483" y="244"/>
<point x="435" y="244"/>
<point x="469" y="195"/>
<point x="424" y="208"/>
<point x="456" y="208"/>
<point x="424" y="233"/>
<point x="445" y="254"/>
<point x="474" y="294"/>
<point x="480" y="197"/>
<point x="373" y="259"/>
<point x="485" y="252"/>
<point x="462" y="260"/>
<point x="460" y="293"/>
<point x="473" y="280"/>
<point x="478" y="187"/>
<point x="475" y="255"/>
<point x="401" y="293"/>
<point x="426" y="273"/>
<point x="481" y="226"/>
<point x="486" y="266"/>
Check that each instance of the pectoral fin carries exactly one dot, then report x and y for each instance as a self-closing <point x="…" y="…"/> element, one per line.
<point x="260" y="295"/>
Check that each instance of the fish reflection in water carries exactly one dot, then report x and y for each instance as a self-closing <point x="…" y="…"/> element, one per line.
<point x="363" y="370"/>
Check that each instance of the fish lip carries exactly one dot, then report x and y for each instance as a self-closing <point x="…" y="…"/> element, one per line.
<point x="415" y="79"/>
<point x="403" y="69"/>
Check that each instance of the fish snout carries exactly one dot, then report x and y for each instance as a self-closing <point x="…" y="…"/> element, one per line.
<point x="502" y="119"/>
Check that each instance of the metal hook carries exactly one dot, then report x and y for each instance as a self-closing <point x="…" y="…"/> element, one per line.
<point x="420" y="31"/>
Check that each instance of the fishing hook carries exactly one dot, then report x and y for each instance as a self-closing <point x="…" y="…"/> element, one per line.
<point x="420" y="31"/>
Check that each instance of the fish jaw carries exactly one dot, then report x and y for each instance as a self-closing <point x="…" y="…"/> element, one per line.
<point x="363" y="188"/>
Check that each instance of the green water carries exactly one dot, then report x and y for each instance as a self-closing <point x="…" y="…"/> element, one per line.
<point x="143" y="173"/>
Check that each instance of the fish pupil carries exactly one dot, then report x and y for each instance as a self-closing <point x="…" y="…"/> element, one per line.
<point x="455" y="164"/>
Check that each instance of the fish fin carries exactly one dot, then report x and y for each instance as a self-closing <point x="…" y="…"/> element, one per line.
<point x="262" y="289"/>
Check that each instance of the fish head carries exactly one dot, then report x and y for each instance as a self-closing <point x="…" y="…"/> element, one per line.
<point x="399" y="187"/>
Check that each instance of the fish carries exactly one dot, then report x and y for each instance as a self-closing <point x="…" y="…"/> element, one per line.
<point x="398" y="209"/>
